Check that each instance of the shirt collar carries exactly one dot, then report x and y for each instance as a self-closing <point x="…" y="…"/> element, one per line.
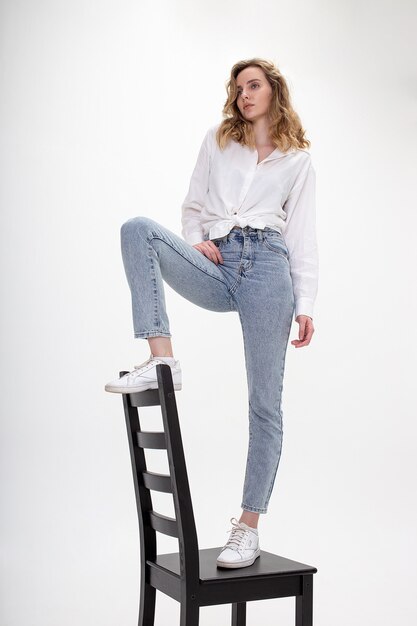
<point x="276" y="154"/>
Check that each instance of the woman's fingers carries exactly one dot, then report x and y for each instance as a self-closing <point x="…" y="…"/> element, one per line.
<point x="210" y="250"/>
<point x="305" y="331"/>
<point x="214" y="248"/>
<point x="204" y="249"/>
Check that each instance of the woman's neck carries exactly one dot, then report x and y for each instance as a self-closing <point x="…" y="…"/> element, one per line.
<point x="261" y="132"/>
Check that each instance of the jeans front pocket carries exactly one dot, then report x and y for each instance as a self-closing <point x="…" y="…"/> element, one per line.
<point x="274" y="241"/>
<point x="219" y="242"/>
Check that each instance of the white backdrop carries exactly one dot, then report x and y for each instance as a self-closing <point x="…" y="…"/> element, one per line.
<point x="104" y="105"/>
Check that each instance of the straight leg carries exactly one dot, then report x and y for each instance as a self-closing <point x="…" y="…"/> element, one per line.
<point x="265" y="301"/>
<point x="147" y="604"/>
<point x="239" y="614"/>
<point x="190" y="613"/>
<point x="304" y="603"/>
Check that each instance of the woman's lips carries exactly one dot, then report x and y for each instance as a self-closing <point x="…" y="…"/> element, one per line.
<point x="247" y="106"/>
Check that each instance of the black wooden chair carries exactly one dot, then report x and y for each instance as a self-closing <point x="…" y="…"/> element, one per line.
<point x="191" y="576"/>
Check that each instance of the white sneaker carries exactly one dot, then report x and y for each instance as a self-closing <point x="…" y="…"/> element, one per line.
<point x="242" y="548"/>
<point x="144" y="377"/>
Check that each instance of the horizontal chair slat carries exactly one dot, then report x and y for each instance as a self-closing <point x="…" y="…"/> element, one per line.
<point x="150" y="397"/>
<point x="163" y="524"/>
<point x="155" y="440"/>
<point x="158" y="482"/>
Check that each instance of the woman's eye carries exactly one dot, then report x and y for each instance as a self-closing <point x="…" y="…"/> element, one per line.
<point x="239" y="93"/>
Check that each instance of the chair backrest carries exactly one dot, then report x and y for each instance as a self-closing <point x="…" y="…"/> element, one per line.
<point x="176" y="482"/>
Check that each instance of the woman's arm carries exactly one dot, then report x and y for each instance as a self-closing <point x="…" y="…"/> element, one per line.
<point x="300" y="238"/>
<point x="192" y="230"/>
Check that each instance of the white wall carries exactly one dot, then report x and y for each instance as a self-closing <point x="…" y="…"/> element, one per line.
<point x="103" y="106"/>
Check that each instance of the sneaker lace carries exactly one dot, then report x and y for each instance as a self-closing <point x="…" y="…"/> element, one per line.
<point x="237" y="537"/>
<point x="136" y="367"/>
<point x="151" y="358"/>
<point x="134" y="372"/>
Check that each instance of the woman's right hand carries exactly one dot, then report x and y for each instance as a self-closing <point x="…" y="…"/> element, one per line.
<point x="210" y="250"/>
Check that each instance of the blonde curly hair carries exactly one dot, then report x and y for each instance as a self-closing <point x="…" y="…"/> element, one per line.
<point x="286" y="131"/>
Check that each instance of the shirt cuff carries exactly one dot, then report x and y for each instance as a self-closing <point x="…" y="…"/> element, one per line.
<point x="194" y="238"/>
<point x="304" y="306"/>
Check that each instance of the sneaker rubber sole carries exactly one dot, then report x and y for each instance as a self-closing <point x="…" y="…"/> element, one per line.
<point x="137" y="389"/>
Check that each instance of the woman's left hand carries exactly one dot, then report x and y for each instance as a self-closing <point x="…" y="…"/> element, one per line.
<point x="305" y="331"/>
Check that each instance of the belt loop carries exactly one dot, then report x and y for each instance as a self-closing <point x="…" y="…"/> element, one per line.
<point x="260" y="233"/>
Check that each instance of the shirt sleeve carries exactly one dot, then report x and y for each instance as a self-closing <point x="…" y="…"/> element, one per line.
<point x="192" y="230"/>
<point x="301" y="240"/>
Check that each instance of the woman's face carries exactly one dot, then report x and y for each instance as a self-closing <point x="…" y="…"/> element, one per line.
<point x="254" y="90"/>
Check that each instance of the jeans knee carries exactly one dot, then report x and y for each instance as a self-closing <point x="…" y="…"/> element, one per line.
<point x="135" y="224"/>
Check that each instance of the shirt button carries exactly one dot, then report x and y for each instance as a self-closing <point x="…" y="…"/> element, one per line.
<point x="234" y="212"/>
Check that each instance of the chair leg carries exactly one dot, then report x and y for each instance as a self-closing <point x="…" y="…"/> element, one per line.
<point x="304" y="603"/>
<point x="239" y="614"/>
<point x="147" y="605"/>
<point x="190" y="613"/>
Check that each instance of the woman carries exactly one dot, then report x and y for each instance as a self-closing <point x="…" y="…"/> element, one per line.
<point x="250" y="247"/>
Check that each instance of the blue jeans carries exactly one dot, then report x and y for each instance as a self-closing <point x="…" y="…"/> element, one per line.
<point x="254" y="281"/>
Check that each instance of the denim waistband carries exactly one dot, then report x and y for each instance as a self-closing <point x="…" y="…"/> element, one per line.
<point x="247" y="230"/>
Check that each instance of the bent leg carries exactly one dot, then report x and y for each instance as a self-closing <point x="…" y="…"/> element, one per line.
<point x="265" y="305"/>
<point x="151" y="253"/>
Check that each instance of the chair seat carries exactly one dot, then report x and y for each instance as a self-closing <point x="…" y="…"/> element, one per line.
<point x="270" y="576"/>
<point x="267" y="564"/>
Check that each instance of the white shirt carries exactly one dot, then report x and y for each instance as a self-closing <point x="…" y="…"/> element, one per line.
<point x="229" y="188"/>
